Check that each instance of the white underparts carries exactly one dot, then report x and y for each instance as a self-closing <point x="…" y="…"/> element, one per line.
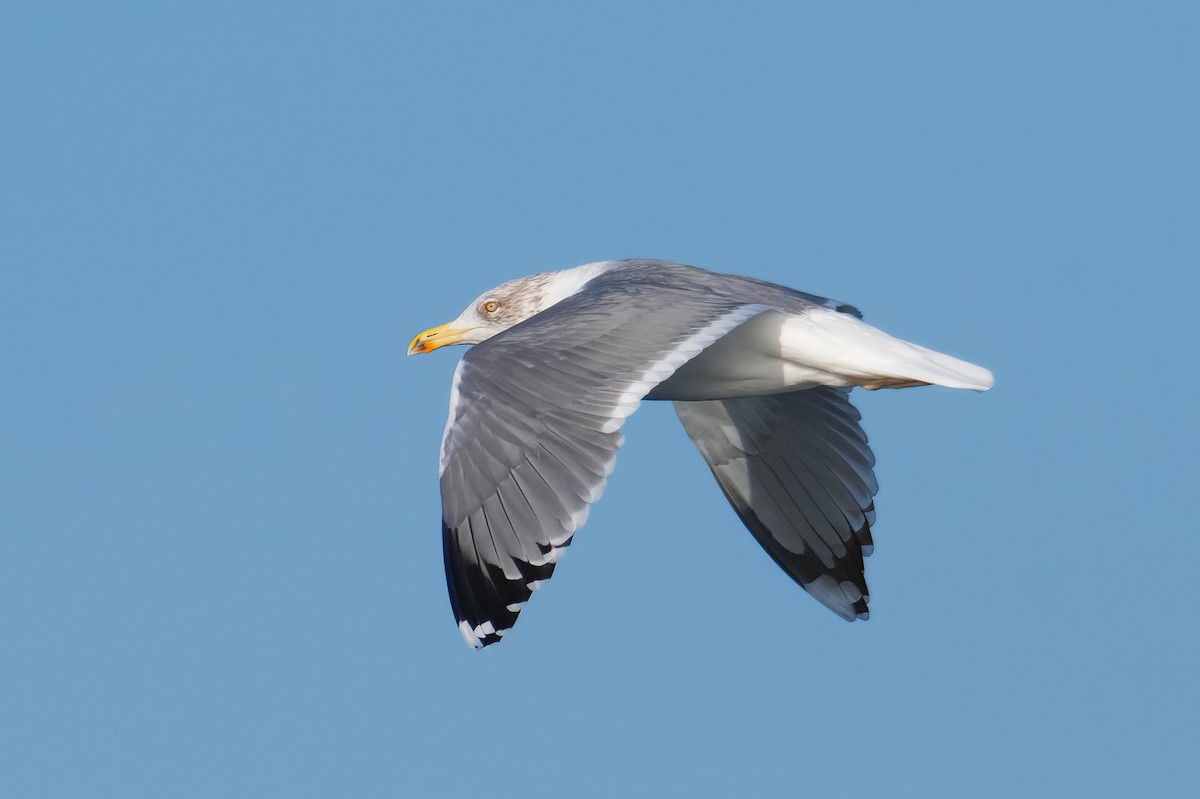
<point x="662" y="369"/>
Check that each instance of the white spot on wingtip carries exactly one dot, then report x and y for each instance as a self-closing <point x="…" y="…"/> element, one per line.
<point x="474" y="635"/>
<point x="850" y="591"/>
<point x="469" y="635"/>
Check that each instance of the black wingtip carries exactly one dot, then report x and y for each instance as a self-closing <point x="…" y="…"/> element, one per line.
<point x="485" y="603"/>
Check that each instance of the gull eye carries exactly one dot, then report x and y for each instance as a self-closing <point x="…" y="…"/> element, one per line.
<point x="491" y="306"/>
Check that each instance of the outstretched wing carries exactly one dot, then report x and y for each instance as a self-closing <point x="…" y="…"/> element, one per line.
<point x="797" y="469"/>
<point x="535" y="418"/>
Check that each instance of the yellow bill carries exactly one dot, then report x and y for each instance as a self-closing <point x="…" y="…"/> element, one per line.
<point x="435" y="337"/>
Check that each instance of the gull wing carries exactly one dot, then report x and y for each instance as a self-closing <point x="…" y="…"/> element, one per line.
<point x="534" y="427"/>
<point x="797" y="469"/>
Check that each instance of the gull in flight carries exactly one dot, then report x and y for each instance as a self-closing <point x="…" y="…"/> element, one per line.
<point x="760" y="376"/>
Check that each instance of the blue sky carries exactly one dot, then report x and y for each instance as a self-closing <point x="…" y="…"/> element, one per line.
<point x="220" y="558"/>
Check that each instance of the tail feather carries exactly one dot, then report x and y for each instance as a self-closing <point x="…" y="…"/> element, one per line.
<point x="917" y="363"/>
<point x="849" y="348"/>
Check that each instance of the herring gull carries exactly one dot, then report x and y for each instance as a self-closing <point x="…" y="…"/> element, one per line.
<point x="760" y="375"/>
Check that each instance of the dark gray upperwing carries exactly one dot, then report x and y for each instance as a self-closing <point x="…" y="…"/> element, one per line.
<point x="797" y="469"/>
<point x="535" y="418"/>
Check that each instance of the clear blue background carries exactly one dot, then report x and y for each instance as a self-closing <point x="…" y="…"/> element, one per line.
<point x="220" y="559"/>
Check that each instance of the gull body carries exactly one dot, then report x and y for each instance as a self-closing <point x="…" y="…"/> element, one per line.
<point x="759" y="374"/>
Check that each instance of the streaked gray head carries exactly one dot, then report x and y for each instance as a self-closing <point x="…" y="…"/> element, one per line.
<point x="506" y="305"/>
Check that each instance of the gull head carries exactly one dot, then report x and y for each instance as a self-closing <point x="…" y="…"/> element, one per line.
<point x="504" y="306"/>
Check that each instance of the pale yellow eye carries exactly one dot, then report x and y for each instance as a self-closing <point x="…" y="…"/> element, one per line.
<point x="491" y="306"/>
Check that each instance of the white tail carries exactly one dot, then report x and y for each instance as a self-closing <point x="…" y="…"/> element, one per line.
<point x="842" y="345"/>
